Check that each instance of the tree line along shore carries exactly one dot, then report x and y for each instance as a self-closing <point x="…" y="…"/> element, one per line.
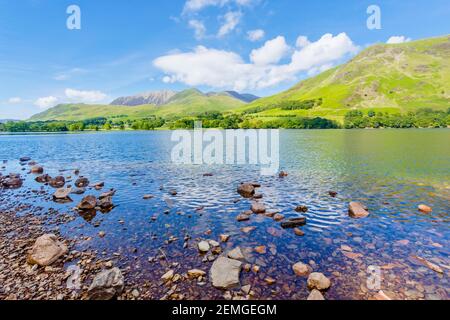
<point x="355" y="119"/>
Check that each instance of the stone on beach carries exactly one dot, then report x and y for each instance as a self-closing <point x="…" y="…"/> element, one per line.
<point x="381" y="296"/>
<point x="315" y="295"/>
<point x="261" y="249"/>
<point x="106" y="285"/>
<point x="24" y="159"/>
<point x="299" y="232"/>
<point x="357" y="210"/>
<point x="203" y="246"/>
<point x="301" y="269"/>
<point x="87" y="203"/>
<point x="318" y="281"/>
<point x="168" y="276"/>
<point x="246" y="190"/>
<point x="195" y="273"/>
<point x="225" y="273"/>
<point x="236" y="254"/>
<point x="224" y="237"/>
<point x="46" y="250"/>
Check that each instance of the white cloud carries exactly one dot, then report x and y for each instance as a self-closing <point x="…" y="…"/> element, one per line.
<point x="46" y="102"/>
<point x="226" y="69"/>
<point x="198" y="5"/>
<point x="199" y="28"/>
<point x="14" y="100"/>
<point x="255" y="35"/>
<point x="398" y="39"/>
<point x="302" y="42"/>
<point x="272" y="52"/>
<point x="85" y="96"/>
<point x="231" y="20"/>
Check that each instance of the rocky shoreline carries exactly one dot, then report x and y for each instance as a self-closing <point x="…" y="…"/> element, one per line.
<point x="38" y="263"/>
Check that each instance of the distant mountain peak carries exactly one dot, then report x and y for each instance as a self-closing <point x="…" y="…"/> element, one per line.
<point x="157" y="98"/>
<point x="163" y="97"/>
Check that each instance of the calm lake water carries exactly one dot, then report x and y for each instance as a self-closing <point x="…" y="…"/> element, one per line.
<point x="390" y="171"/>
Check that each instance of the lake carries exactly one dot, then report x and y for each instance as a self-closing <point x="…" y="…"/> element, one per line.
<point x="389" y="171"/>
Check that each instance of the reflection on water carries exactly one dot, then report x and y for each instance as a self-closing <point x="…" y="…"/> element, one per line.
<point x="391" y="171"/>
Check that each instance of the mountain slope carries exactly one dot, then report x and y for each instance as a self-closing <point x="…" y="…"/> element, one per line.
<point x="390" y="78"/>
<point x="186" y="103"/>
<point x="157" y="98"/>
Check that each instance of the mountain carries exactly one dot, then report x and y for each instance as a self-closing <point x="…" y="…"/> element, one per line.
<point x="185" y="103"/>
<point x="157" y="98"/>
<point x="8" y="120"/>
<point x="163" y="97"/>
<point x="389" y="78"/>
<point x="244" y="97"/>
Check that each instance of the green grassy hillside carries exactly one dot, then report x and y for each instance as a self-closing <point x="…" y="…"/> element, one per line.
<point x="387" y="78"/>
<point x="186" y="103"/>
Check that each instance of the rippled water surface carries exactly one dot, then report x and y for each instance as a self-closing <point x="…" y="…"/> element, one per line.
<point x="390" y="171"/>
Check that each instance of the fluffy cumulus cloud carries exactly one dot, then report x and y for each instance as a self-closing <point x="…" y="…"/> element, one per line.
<point x="199" y="28"/>
<point x="197" y="5"/>
<point x="272" y="52"/>
<point x="255" y="35"/>
<point x="230" y="21"/>
<point x="398" y="39"/>
<point x="226" y="69"/>
<point x="46" y="102"/>
<point x="14" y="100"/>
<point x="84" y="96"/>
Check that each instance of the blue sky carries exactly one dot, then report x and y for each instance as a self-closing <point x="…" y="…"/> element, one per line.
<point x="127" y="47"/>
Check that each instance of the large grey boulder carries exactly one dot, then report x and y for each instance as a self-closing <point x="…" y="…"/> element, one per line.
<point x="225" y="273"/>
<point x="106" y="285"/>
<point x="46" y="250"/>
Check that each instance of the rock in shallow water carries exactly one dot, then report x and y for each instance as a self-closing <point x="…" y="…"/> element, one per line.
<point x="62" y="194"/>
<point x="81" y="182"/>
<point x="46" y="250"/>
<point x="293" y="223"/>
<point x="246" y="190"/>
<point x="87" y="203"/>
<point x="301" y="269"/>
<point x="225" y="273"/>
<point x="106" y="285"/>
<point x="258" y="208"/>
<point x="318" y="281"/>
<point x="315" y="295"/>
<point x="357" y="210"/>
<point x="203" y="246"/>
<point x="425" y="209"/>
<point x="236" y="254"/>
<point x="57" y="182"/>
